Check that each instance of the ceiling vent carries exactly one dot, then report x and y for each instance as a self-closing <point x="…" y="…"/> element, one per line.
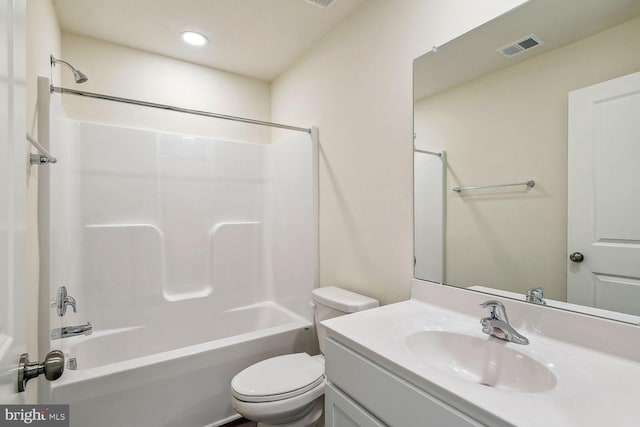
<point x="524" y="44"/>
<point x="321" y="3"/>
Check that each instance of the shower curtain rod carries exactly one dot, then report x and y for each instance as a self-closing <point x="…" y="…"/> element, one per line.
<point x="65" y="91"/>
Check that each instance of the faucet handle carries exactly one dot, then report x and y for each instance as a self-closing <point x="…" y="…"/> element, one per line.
<point x="496" y="309"/>
<point x="72" y="302"/>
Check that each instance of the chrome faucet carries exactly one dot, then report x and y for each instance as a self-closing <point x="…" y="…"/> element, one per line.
<point x="62" y="301"/>
<point x="535" y="296"/>
<point x="497" y="324"/>
<point x="71" y="331"/>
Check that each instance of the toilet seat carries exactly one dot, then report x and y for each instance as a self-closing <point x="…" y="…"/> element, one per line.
<point x="278" y="378"/>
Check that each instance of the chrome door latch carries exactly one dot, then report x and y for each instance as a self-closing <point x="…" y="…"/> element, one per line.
<point x="52" y="368"/>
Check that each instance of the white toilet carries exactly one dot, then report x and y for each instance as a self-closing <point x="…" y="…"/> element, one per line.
<point x="289" y="390"/>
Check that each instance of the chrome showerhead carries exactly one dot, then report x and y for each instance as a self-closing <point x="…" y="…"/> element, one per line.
<point x="78" y="76"/>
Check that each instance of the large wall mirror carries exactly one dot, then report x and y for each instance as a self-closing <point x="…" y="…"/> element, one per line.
<point x="527" y="156"/>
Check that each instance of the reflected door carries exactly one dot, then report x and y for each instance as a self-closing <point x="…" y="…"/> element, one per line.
<point x="604" y="195"/>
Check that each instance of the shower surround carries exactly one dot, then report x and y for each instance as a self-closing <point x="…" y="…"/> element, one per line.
<point x="192" y="258"/>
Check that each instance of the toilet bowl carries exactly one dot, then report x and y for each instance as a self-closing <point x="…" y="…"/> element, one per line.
<point x="288" y="390"/>
<point x="281" y="390"/>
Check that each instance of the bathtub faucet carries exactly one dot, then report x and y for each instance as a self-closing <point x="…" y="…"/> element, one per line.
<point x="62" y="301"/>
<point x="71" y="331"/>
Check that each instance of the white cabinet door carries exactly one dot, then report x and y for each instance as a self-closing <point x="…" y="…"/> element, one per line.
<point x="13" y="159"/>
<point x="604" y="195"/>
<point x="341" y="411"/>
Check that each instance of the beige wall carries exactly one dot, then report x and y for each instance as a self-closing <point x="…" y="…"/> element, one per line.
<point x="43" y="39"/>
<point x="356" y="85"/>
<point x="511" y="126"/>
<point x="132" y="73"/>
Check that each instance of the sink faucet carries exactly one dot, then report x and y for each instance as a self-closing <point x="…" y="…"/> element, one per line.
<point x="497" y="324"/>
<point x="535" y="295"/>
<point x="71" y="331"/>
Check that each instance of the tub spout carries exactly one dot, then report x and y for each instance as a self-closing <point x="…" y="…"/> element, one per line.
<point x="71" y="331"/>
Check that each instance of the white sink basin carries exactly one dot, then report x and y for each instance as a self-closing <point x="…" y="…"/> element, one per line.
<point x="488" y="362"/>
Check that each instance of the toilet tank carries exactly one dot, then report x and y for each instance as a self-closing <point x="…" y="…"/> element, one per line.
<point x="332" y="301"/>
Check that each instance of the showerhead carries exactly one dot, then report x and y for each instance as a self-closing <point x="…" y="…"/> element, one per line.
<point x="78" y="76"/>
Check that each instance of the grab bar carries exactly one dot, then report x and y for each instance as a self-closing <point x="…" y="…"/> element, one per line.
<point x="39" y="159"/>
<point x="530" y="184"/>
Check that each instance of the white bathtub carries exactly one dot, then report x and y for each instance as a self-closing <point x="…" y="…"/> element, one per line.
<point x="176" y="374"/>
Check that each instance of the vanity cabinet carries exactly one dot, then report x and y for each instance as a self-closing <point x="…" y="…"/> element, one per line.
<point x="362" y="393"/>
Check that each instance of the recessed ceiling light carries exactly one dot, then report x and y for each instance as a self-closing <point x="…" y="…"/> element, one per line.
<point x="193" y="38"/>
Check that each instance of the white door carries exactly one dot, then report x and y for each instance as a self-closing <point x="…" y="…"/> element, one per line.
<point x="12" y="196"/>
<point x="604" y="195"/>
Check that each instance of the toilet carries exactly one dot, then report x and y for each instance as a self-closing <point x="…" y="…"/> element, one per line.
<point x="289" y="390"/>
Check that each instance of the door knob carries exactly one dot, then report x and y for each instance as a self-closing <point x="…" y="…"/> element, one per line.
<point x="576" y="257"/>
<point x="52" y="368"/>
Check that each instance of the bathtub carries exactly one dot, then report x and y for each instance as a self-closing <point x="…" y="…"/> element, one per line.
<point x="176" y="373"/>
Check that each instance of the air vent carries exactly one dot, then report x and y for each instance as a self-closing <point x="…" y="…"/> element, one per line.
<point x="321" y="3"/>
<point x="524" y="44"/>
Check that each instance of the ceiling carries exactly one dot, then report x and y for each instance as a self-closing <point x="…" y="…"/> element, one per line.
<point x="256" y="38"/>
<point x="447" y="66"/>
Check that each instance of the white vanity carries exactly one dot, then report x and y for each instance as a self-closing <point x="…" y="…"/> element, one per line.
<point x="426" y="362"/>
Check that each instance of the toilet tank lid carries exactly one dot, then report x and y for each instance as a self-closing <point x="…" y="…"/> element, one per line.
<point x="342" y="299"/>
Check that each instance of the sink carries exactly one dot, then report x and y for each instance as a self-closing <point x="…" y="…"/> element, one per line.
<point x="485" y="361"/>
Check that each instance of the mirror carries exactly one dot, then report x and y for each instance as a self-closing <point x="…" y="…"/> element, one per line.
<point x="491" y="108"/>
